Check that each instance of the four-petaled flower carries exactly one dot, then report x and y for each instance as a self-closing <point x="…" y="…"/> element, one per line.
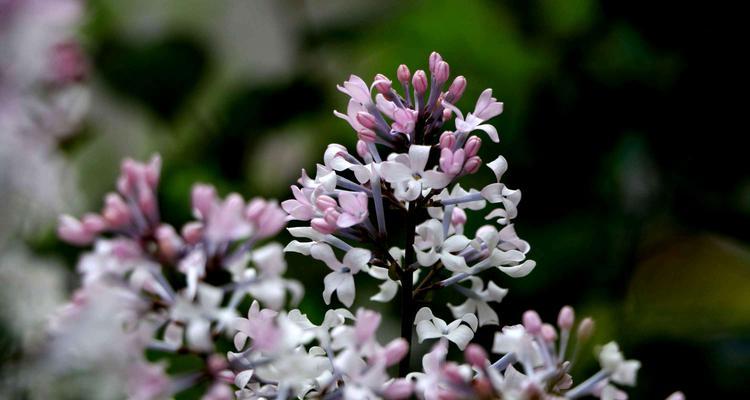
<point x="341" y="280"/>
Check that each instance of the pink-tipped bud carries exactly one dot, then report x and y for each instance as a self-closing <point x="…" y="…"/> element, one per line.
<point x="403" y="74"/>
<point x="72" y="231"/>
<point x="366" y="135"/>
<point x="216" y="363"/>
<point x="549" y="334"/>
<point x="152" y="171"/>
<point x="435" y="58"/>
<point x="320" y="225"/>
<point x="94" y="223"/>
<point x="586" y="329"/>
<point x="399" y="389"/>
<point x="395" y="350"/>
<point x="447" y="114"/>
<point x="451" y="162"/>
<point x="324" y="202"/>
<point x="255" y="208"/>
<point x="566" y="318"/>
<point x="456" y="89"/>
<point x="366" y="119"/>
<point x="115" y="212"/>
<point x="458" y="216"/>
<point x="192" y="232"/>
<point x="472" y="146"/>
<point x="472" y="165"/>
<point x="420" y="82"/>
<point x="442" y="72"/>
<point x="532" y="322"/>
<point x="366" y="325"/>
<point x="168" y="240"/>
<point x="203" y="198"/>
<point x="382" y="84"/>
<point x="331" y="216"/>
<point x="147" y="204"/>
<point x="362" y="149"/>
<point x="476" y="356"/>
<point x="447" y="140"/>
<point x="452" y="374"/>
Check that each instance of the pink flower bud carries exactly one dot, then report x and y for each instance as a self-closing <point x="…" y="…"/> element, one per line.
<point x="94" y="223"/>
<point x="447" y="140"/>
<point x="585" y="329"/>
<point x="532" y="322"/>
<point x="331" y="216"/>
<point x="403" y="74"/>
<point x="68" y="62"/>
<point x="203" y="198"/>
<point x="324" y="202"/>
<point x="116" y="212"/>
<point x="399" y="389"/>
<point x="382" y="84"/>
<point x="472" y="165"/>
<point x="395" y="350"/>
<point x="549" y="333"/>
<point x="456" y="89"/>
<point x="366" y="135"/>
<point x="270" y="221"/>
<point x="366" y="119"/>
<point x="472" y="146"/>
<point x="168" y="240"/>
<point x="442" y="72"/>
<point x="216" y="363"/>
<point x="192" y="232"/>
<point x="452" y="374"/>
<point x="458" y="216"/>
<point x="435" y="58"/>
<point x="152" y="171"/>
<point x="320" y="225"/>
<point x="566" y="318"/>
<point x="366" y="325"/>
<point x="255" y="208"/>
<point x="147" y="204"/>
<point x="420" y="82"/>
<point x="451" y="162"/>
<point x="476" y="356"/>
<point x="72" y="231"/>
<point x="362" y="150"/>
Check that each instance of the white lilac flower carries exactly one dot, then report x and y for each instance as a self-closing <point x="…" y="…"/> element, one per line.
<point x="341" y="280"/>
<point x="487" y="107"/>
<point x="406" y="172"/>
<point x="477" y="301"/>
<point x="460" y="331"/>
<point x="621" y="371"/>
<point x="431" y="246"/>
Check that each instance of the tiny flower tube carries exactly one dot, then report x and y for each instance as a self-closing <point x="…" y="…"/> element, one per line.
<point x="395" y="350"/>
<point x="420" y="82"/>
<point x="476" y="356"/>
<point x="435" y="58"/>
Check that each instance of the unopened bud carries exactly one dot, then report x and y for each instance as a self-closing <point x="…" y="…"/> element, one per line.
<point x="447" y="140"/>
<point x="366" y="119"/>
<point x="458" y="216"/>
<point x="382" y="84"/>
<point x="399" y="389"/>
<point x="403" y="74"/>
<point x="94" y="223"/>
<point x="447" y="114"/>
<point x="420" y="82"/>
<point x="395" y="350"/>
<point x="476" y="356"/>
<point x="192" y="232"/>
<point x="549" y="334"/>
<point x="442" y="72"/>
<point x="532" y="322"/>
<point x="586" y="329"/>
<point x="324" y="202"/>
<point x="472" y="165"/>
<point x="566" y="318"/>
<point x="320" y="225"/>
<point x="152" y="171"/>
<point x="72" y="231"/>
<point x="366" y="135"/>
<point x="435" y="58"/>
<point x="472" y="146"/>
<point x="168" y="240"/>
<point x="456" y="90"/>
<point x="115" y="212"/>
<point x="255" y="208"/>
<point x="203" y="198"/>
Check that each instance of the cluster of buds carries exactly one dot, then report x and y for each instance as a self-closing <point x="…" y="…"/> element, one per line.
<point x="394" y="211"/>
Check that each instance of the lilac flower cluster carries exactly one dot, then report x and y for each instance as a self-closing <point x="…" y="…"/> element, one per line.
<point x="392" y="210"/>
